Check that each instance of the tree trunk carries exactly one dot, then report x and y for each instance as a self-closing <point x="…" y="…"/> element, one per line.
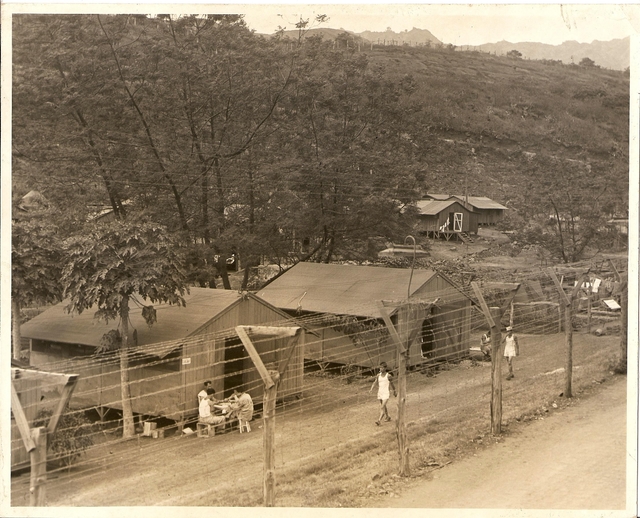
<point x="251" y="262"/>
<point x="15" y="328"/>
<point x="128" y="429"/>
<point x="222" y="268"/>
<point x="568" y="325"/>
<point x="624" y="302"/>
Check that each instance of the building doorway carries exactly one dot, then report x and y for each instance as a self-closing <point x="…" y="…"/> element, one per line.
<point x="427" y="340"/>
<point x="234" y="355"/>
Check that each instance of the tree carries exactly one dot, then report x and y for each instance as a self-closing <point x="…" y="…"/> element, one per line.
<point x="350" y="136"/>
<point x="110" y="265"/>
<point x="515" y="54"/>
<point x="587" y="62"/>
<point x="35" y="266"/>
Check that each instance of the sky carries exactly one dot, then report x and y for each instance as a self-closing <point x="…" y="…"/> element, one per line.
<point x="466" y="24"/>
<point x="459" y="24"/>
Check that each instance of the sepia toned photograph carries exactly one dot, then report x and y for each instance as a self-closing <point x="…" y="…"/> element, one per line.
<point x="321" y="258"/>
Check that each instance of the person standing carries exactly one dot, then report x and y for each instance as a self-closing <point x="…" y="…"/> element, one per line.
<point x="385" y="386"/>
<point x="511" y="350"/>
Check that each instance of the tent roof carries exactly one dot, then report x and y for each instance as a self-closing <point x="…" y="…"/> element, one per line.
<point x="341" y="289"/>
<point x="173" y="322"/>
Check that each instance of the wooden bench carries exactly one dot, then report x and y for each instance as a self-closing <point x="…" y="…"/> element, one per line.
<point x="205" y="429"/>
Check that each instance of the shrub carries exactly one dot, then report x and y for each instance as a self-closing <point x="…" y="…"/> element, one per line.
<point x="71" y="438"/>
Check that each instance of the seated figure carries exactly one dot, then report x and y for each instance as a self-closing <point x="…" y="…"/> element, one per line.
<point x="242" y="406"/>
<point x="485" y="344"/>
<point x="205" y="415"/>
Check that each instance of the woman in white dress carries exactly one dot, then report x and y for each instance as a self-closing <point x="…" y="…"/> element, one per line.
<point x="385" y="386"/>
<point x="511" y="349"/>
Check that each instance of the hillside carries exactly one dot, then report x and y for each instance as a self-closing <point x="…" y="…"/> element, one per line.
<point x="612" y="54"/>
<point x="369" y="127"/>
<point x="506" y="126"/>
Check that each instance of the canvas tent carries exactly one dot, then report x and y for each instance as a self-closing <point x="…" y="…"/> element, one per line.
<point x="171" y="359"/>
<point x="341" y="302"/>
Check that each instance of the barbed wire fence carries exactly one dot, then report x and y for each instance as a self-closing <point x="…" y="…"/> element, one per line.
<point x="321" y="393"/>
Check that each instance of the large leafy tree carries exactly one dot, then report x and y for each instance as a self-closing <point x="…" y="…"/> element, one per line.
<point x="35" y="266"/>
<point x="350" y="158"/>
<point x="107" y="266"/>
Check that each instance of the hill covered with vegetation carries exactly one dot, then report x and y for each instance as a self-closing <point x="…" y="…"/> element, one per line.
<point x="298" y="148"/>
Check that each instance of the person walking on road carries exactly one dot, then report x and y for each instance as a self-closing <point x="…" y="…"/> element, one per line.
<point x="385" y="386"/>
<point x="511" y="349"/>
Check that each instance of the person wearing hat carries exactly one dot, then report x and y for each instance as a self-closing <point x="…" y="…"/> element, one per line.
<point x="511" y="349"/>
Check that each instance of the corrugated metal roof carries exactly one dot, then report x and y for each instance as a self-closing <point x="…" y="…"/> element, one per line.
<point x="481" y="202"/>
<point x="173" y="322"/>
<point x="433" y="207"/>
<point x="341" y="289"/>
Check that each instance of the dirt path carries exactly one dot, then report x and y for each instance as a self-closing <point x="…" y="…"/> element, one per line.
<point x="575" y="459"/>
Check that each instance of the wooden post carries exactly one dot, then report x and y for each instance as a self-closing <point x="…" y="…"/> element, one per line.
<point x="271" y="380"/>
<point x="589" y="294"/>
<point x="409" y="325"/>
<point x="568" y="333"/>
<point x="559" y="318"/>
<point x="62" y="404"/>
<point x="493" y="317"/>
<point x="496" y="373"/>
<point x="269" y="420"/>
<point x="568" y="327"/>
<point x="38" y="478"/>
<point x="404" y="314"/>
<point x="21" y="420"/>
<point x="511" y="316"/>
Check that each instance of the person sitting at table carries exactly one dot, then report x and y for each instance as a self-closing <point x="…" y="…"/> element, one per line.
<point x="242" y="406"/>
<point x="203" y="393"/>
<point x="204" y="410"/>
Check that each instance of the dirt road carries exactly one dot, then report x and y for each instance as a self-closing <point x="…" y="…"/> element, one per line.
<point x="574" y="459"/>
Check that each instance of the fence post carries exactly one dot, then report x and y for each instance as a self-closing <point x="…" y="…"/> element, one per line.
<point x="568" y="326"/>
<point x="38" y="478"/>
<point x="589" y="296"/>
<point x="271" y="380"/>
<point x="496" y="372"/>
<point x="403" y="352"/>
<point x="269" y="409"/>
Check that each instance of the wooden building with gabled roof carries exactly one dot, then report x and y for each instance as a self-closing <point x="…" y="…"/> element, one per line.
<point x="448" y="219"/>
<point x="488" y="212"/>
<point x="170" y="360"/>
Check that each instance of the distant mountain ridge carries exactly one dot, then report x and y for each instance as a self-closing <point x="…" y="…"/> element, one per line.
<point x="415" y="35"/>
<point x="614" y="54"/>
